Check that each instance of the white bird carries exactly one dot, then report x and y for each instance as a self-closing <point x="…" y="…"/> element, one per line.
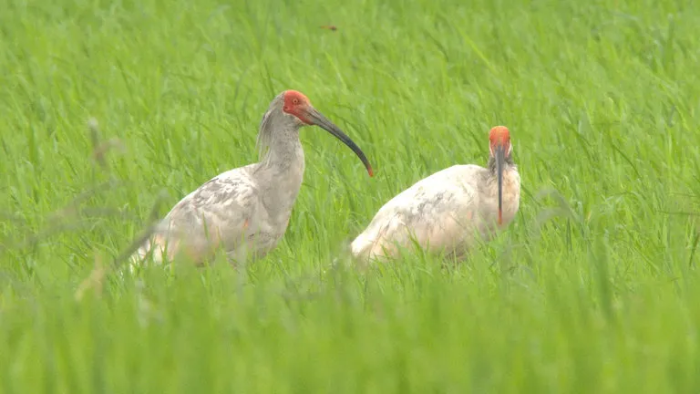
<point x="245" y="210"/>
<point x="446" y="211"/>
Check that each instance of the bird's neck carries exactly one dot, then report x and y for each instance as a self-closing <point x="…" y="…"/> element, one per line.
<point x="281" y="171"/>
<point x="510" y="174"/>
<point x="507" y="163"/>
<point x="511" y="187"/>
<point x="284" y="153"/>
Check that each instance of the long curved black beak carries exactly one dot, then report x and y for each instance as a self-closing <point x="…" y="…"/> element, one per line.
<point x="500" y="153"/>
<point x="319" y="120"/>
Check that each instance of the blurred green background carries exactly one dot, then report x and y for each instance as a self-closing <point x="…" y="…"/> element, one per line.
<point x="593" y="288"/>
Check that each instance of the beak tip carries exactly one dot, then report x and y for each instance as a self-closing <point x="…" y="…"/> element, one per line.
<point x="370" y="171"/>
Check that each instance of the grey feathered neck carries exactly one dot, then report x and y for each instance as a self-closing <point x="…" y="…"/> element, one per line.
<point x="274" y="119"/>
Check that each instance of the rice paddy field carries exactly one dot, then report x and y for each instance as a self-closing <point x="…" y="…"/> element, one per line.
<point x="111" y="111"/>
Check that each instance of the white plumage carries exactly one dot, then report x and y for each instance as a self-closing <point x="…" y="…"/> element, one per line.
<point x="245" y="211"/>
<point x="448" y="210"/>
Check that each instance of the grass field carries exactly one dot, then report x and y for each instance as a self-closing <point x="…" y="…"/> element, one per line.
<point x="594" y="287"/>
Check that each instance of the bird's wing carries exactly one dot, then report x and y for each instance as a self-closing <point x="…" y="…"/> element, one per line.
<point x="432" y="212"/>
<point x="217" y="213"/>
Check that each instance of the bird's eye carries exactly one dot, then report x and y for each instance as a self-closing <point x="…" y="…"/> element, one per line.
<point x="295" y="101"/>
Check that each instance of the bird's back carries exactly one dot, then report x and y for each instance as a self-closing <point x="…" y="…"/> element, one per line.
<point x="432" y="212"/>
<point x="215" y="214"/>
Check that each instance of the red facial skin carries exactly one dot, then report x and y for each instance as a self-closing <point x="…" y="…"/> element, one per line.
<point x="499" y="135"/>
<point x="296" y="103"/>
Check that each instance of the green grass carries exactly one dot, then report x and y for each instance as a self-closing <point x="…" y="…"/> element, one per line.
<point x="593" y="288"/>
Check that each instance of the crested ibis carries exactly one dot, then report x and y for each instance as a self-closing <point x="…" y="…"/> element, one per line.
<point x="246" y="210"/>
<point x="448" y="210"/>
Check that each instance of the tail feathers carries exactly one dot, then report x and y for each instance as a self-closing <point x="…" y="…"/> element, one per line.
<point x="155" y="249"/>
<point x="359" y="246"/>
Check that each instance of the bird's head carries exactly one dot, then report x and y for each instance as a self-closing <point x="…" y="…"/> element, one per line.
<point x="298" y="107"/>
<point x="500" y="149"/>
<point x="499" y="138"/>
